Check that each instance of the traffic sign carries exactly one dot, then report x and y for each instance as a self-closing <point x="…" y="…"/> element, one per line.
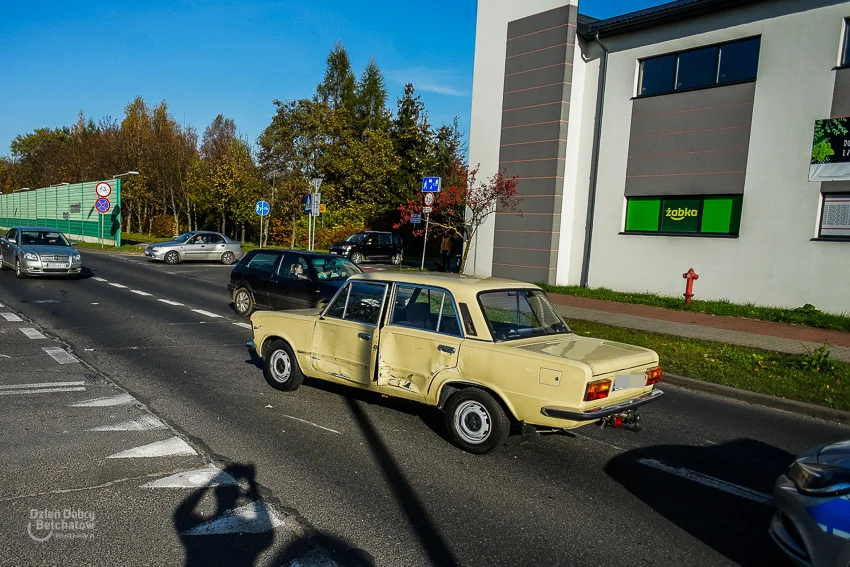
<point x="103" y="189"/>
<point x="431" y="184"/>
<point x="323" y="208"/>
<point x="102" y="205"/>
<point x="426" y="210"/>
<point x="429" y="199"/>
<point x="316" y="183"/>
<point x="262" y="208"/>
<point x="308" y="203"/>
<point x="317" y="198"/>
<point x="415" y="219"/>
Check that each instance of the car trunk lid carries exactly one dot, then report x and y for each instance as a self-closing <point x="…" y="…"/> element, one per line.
<point x="603" y="357"/>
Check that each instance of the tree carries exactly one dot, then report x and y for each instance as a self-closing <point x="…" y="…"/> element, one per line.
<point x="462" y="208"/>
<point x="370" y="112"/>
<point x="337" y="88"/>
<point x="411" y="136"/>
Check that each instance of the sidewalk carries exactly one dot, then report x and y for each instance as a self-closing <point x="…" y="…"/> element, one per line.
<point x="765" y="335"/>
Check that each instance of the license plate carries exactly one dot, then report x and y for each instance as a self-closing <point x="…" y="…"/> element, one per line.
<point x="631" y="380"/>
<point x="55" y="265"/>
<point x="334" y="252"/>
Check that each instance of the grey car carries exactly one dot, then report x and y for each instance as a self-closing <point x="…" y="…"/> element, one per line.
<point x="196" y="245"/>
<point x="39" y="251"/>
<point x="812" y="520"/>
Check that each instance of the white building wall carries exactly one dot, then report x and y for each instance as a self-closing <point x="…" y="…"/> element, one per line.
<point x="773" y="261"/>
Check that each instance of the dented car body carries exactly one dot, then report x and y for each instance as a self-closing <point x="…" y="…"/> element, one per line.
<point x="491" y="353"/>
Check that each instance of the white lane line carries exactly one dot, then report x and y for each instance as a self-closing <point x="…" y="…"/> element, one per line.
<point x="169" y="448"/>
<point x="206" y="313"/>
<point x="706" y="480"/>
<point x="99" y="279"/>
<point x="2" y="306"/>
<point x="243" y="325"/>
<point x="60" y="355"/>
<point x="31" y="333"/>
<point x="40" y="391"/>
<point x="11" y="317"/>
<point x="313" y="424"/>
<point x="199" y="478"/>
<point x="118" y="285"/>
<point x="139" y="292"/>
<point x="143" y="423"/>
<point x="42" y="385"/>
<point x="108" y="401"/>
<point x="252" y="518"/>
<point x="169" y="302"/>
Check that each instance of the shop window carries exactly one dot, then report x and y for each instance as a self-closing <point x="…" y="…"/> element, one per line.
<point x="714" y="215"/>
<point x="835" y="216"/>
<point x="699" y="68"/>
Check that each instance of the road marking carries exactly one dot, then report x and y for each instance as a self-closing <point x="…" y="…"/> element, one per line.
<point x="252" y="518"/>
<point x="168" y="301"/>
<point x="205" y="477"/>
<point x="313" y="424"/>
<point x="172" y="447"/>
<point x="59" y="355"/>
<point x="32" y="333"/>
<point x="99" y="279"/>
<point x="243" y="325"/>
<point x="206" y="313"/>
<point x="139" y="292"/>
<point x="120" y="399"/>
<point x="40" y="391"/>
<point x="143" y="423"/>
<point x="41" y="385"/>
<point x="2" y="306"/>
<point x="11" y="317"/>
<point x="706" y="480"/>
<point x="118" y="285"/>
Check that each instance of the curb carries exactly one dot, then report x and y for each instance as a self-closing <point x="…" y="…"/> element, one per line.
<point x="793" y="406"/>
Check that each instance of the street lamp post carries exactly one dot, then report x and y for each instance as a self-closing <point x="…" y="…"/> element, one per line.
<point x="117" y="178"/>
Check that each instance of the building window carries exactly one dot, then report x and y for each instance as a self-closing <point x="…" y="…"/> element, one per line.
<point x="699" y="68"/>
<point x="835" y="216"/>
<point x="845" y="50"/>
<point x="714" y="215"/>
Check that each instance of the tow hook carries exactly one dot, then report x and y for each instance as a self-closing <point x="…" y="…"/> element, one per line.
<point x="629" y="420"/>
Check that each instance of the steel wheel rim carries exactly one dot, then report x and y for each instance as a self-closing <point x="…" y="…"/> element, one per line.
<point x="242" y="302"/>
<point x="281" y="366"/>
<point x="472" y="422"/>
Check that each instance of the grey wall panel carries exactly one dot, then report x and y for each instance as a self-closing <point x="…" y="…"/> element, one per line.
<point x="536" y="95"/>
<point x="534" y="169"/>
<point x="546" y="222"/>
<point x="841" y="94"/>
<point x="546" y="112"/>
<point x="689" y="162"/>
<point x="535" y="186"/>
<point x="524" y="257"/>
<point x="531" y="150"/>
<point x="525" y="274"/>
<point x="541" y="21"/>
<point x="713" y="140"/>
<point x="717" y="118"/>
<point x="528" y="133"/>
<point x="715" y="184"/>
<point x="693" y="100"/>
<point x="835" y="187"/>
<point x="556" y="34"/>
<point x="539" y="77"/>
<point x="540" y="204"/>
<point x="554" y="55"/>
<point x="541" y="240"/>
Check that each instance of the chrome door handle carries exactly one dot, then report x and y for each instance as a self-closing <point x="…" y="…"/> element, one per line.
<point x="446" y="349"/>
<point x="364" y="336"/>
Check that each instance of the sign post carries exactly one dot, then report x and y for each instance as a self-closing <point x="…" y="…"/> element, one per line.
<point x="430" y="185"/>
<point x="262" y="208"/>
<point x="425" y="244"/>
<point x="102" y="205"/>
<point x="313" y="207"/>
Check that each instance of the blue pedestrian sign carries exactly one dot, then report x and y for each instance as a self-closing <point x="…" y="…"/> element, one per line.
<point x="262" y="208"/>
<point x="102" y="205"/>
<point x="308" y="203"/>
<point x="431" y="184"/>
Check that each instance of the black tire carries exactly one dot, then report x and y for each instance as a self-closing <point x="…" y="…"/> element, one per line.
<point x="396" y="259"/>
<point x="243" y="302"/>
<point x="18" y="273"/>
<point x="172" y="258"/>
<point x="228" y="258"/>
<point x="358" y="257"/>
<point x="280" y="367"/>
<point x="476" y="421"/>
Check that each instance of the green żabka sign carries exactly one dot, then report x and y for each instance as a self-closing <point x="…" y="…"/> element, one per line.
<point x="831" y="150"/>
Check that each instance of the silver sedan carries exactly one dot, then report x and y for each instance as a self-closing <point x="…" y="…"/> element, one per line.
<point x="196" y="245"/>
<point x="39" y="251"/>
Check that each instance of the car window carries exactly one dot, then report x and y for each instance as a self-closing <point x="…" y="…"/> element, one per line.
<point x="358" y="301"/>
<point x="11" y="234"/>
<point x="214" y="239"/>
<point x="396" y="240"/>
<point x="386" y="239"/>
<point x="263" y="262"/>
<point x="520" y="313"/>
<point x="358" y="238"/>
<point x="293" y="267"/>
<point x="370" y="239"/>
<point x="425" y="308"/>
<point x="334" y="268"/>
<point x="43" y="238"/>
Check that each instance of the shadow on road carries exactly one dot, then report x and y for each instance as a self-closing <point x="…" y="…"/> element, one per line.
<point x="734" y="526"/>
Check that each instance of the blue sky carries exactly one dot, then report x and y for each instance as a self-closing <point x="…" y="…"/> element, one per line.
<point x="205" y="57"/>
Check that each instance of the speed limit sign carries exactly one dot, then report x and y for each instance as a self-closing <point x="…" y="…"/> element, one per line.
<point x="103" y="189"/>
<point x="429" y="199"/>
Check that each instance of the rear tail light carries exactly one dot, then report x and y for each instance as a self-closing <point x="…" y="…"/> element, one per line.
<point x="597" y="390"/>
<point x="653" y="376"/>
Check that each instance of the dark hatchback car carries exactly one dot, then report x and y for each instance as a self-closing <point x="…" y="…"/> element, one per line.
<point x="371" y="246"/>
<point x="286" y="279"/>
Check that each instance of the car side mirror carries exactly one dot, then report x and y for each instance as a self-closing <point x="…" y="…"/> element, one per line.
<point x="74" y="243"/>
<point x="12" y="241"/>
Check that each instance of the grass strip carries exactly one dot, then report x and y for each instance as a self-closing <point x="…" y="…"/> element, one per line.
<point x="813" y="377"/>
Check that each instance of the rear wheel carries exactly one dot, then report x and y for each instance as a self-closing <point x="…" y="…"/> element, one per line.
<point x="281" y="369"/>
<point x="243" y="303"/>
<point x="476" y="422"/>
<point x="18" y="272"/>
<point x="172" y="258"/>
<point x="357" y="258"/>
<point x="228" y="258"/>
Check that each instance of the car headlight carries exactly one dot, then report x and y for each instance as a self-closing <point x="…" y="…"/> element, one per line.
<point x="76" y="257"/>
<point x="30" y="256"/>
<point x="819" y="480"/>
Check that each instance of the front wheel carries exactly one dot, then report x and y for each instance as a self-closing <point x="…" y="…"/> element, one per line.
<point x="281" y="369"/>
<point x="18" y="272"/>
<point x="243" y="303"/>
<point x="476" y="422"/>
<point x="172" y="258"/>
<point x="228" y="258"/>
<point x="396" y="259"/>
<point x="357" y="258"/>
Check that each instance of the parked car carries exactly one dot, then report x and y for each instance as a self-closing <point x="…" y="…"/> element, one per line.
<point x="491" y="353"/>
<point x="371" y="246"/>
<point x="286" y="279"/>
<point x="812" y="520"/>
<point x="39" y="251"/>
<point x="196" y="245"/>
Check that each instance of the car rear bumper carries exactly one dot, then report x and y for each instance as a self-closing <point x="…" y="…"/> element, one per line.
<point x="604" y="411"/>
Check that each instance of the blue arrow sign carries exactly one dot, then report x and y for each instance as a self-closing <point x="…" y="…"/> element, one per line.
<point x="262" y="208"/>
<point x="431" y="184"/>
<point x="102" y="205"/>
<point x="308" y="203"/>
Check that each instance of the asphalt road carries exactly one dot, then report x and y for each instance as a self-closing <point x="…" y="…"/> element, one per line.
<point x="340" y="474"/>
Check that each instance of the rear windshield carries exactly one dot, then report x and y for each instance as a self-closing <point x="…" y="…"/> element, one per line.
<point x="520" y="313"/>
<point x="334" y="268"/>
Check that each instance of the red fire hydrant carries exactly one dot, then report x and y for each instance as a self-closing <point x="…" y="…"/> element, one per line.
<point x="691" y="275"/>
